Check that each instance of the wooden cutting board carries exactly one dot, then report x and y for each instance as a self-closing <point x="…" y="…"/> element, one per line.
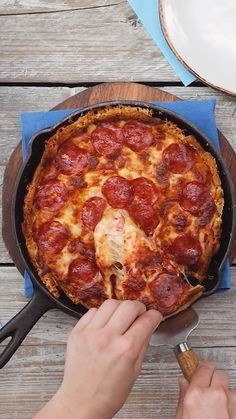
<point x="100" y="93"/>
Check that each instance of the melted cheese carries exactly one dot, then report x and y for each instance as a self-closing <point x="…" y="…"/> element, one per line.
<point x="109" y="239"/>
<point x="67" y="217"/>
<point x="119" y="243"/>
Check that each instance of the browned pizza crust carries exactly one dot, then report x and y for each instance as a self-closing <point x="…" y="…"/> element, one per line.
<point x="123" y="255"/>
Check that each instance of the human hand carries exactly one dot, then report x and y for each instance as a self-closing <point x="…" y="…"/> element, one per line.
<point x="104" y="356"/>
<point x="207" y="396"/>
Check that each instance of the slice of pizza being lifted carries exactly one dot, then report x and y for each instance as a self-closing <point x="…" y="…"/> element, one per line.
<point x="136" y="268"/>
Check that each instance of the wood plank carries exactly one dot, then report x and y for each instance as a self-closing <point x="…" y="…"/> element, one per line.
<point x="40" y="371"/>
<point x="217" y="315"/>
<point x="225" y="108"/>
<point x="79" y="46"/>
<point x="40" y="6"/>
<point x="3" y="251"/>
<point x="15" y="100"/>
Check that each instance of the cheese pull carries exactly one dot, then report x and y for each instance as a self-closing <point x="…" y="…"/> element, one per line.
<point x="118" y="243"/>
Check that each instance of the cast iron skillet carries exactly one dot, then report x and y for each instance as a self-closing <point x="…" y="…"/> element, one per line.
<point x="42" y="301"/>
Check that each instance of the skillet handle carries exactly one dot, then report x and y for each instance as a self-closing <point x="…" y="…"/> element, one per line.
<point x="18" y="327"/>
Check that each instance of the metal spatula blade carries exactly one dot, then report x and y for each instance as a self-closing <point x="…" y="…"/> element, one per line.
<point x="174" y="332"/>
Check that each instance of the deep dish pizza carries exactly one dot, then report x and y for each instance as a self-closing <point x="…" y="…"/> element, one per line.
<point x="124" y="205"/>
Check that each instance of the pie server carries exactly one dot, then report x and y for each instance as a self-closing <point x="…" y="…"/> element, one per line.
<point x="174" y="333"/>
<point x="43" y="300"/>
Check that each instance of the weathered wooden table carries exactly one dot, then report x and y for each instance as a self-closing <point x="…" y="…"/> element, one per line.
<point x="49" y="50"/>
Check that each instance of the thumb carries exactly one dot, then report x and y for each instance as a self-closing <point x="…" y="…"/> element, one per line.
<point x="183" y="386"/>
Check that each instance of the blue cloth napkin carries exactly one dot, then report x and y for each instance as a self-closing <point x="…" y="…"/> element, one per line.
<point x="147" y="11"/>
<point x="200" y="113"/>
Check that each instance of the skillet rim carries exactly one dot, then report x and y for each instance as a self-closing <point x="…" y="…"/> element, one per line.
<point x="78" y="310"/>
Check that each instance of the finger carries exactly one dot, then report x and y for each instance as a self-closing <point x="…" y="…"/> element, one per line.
<point x="232" y="404"/>
<point x="220" y="379"/>
<point x="143" y="350"/>
<point x="143" y="328"/>
<point x="105" y="312"/>
<point x="125" y="315"/>
<point x="203" y="375"/>
<point x="183" y="387"/>
<point x="85" y="319"/>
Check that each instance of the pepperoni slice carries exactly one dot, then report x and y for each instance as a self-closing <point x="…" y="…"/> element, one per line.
<point x="144" y="190"/>
<point x="196" y="198"/>
<point x="136" y="283"/>
<point x="82" y="271"/>
<point x="106" y="142"/>
<point x="76" y="182"/>
<point x="166" y="207"/>
<point x="158" y="138"/>
<point x="186" y="250"/>
<point x="51" y="195"/>
<point x="202" y="172"/>
<point x="118" y="191"/>
<point x="92" y="211"/>
<point x="133" y="288"/>
<point x="94" y="293"/>
<point x="179" y="158"/>
<point x="145" y="216"/>
<point x="86" y="250"/>
<point x="114" y="126"/>
<point x="167" y="289"/>
<point x="150" y="260"/>
<point x="70" y="159"/>
<point x="83" y="276"/>
<point x="52" y="237"/>
<point x="137" y="135"/>
<point x="92" y="161"/>
<point x="180" y="222"/>
<point x="162" y="175"/>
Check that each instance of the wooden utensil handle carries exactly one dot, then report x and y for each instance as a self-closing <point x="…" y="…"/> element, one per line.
<point x="187" y="360"/>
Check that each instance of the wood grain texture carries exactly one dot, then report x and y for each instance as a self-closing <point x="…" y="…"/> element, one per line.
<point x="15" y="100"/>
<point x="92" y="44"/>
<point x="188" y="363"/>
<point x="44" y="6"/>
<point x="225" y="107"/>
<point x="35" y="373"/>
<point x="99" y="93"/>
<point x="50" y="42"/>
<point x="39" y="363"/>
<point x="217" y="315"/>
<point x="154" y="396"/>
